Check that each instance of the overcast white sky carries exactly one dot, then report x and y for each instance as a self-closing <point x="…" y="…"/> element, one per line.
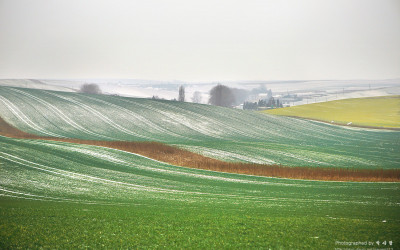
<point x="202" y="40"/>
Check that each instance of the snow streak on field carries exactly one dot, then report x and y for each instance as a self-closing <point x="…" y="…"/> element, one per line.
<point x="45" y="170"/>
<point x="228" y="134"/>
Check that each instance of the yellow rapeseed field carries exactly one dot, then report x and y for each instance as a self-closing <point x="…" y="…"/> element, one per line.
<point x="372" y="111"/>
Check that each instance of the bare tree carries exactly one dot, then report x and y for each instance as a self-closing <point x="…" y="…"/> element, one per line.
<point x="196" y="97"/>
<point x="90" y="88"/>
<point x="181" y="96"/>
<point x="221" y="95"/>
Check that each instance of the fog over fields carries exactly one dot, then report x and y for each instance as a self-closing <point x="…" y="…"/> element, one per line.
<point x="199" y="124"/>
<point x="311" y="91"/>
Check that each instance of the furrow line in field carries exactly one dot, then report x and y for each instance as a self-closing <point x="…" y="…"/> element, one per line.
<point x="151" y="109"/>
<point x="49" y="198"/>
<point x="333" y="132"/>
<point x="173" y="119"/>
<point x="225" y="127"/>
<point x="99" y="180"/>
<point x="78" y="176"/>
<point x="298" y="157"/>
<point x="193" y="125"/>
<point x="210" y="125"/>
<point x="23" y="197"/>
<point x="226" y="155"/>
<point x="33" y="195"/>
<point x="22" y="117"/>
<point x="102" y="117"/>
<point x="226" y="122"/>
<point x="135" y="115"/>
<point x="161" y="167"/>
<point x="233" y="155"/>
<point x="62" y="115"/>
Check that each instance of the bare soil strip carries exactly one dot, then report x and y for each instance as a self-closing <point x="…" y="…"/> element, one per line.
<point x="180" y="157"/>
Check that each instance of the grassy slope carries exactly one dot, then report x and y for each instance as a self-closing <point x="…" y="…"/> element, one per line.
<point x="374" y="112"/>
<point x="226" y="134"/>
<point x="61" y="195"/>
<point x="30" y="224"/>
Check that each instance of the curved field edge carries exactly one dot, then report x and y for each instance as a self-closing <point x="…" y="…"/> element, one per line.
<point x="52" y="170"/>
<point x="181" y="157"/>
<point x="63" y="195"/>
<point x="343" y="124"/>
<point x="220" y="133"/>
<point x="370" y="112"/>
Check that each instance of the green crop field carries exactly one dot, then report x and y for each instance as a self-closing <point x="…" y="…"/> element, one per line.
<point x="65" y="195"/>
<point x="381" y="112"/>
<point x="228" y="134"/>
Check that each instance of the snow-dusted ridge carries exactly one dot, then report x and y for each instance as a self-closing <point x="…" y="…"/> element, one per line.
<point x="227" y="134"/>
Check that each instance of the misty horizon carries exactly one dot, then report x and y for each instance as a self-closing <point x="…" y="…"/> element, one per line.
<point x="200" y="41"/>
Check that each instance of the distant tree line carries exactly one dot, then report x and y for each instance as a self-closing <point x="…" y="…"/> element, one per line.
<point x="271" y="103"/>
<point x="224" y="96"/>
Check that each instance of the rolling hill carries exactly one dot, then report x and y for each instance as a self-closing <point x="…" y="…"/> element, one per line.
<point x="221" y="133"/>
<point x="56" y="194"/>
<point x="63" y="195"/>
